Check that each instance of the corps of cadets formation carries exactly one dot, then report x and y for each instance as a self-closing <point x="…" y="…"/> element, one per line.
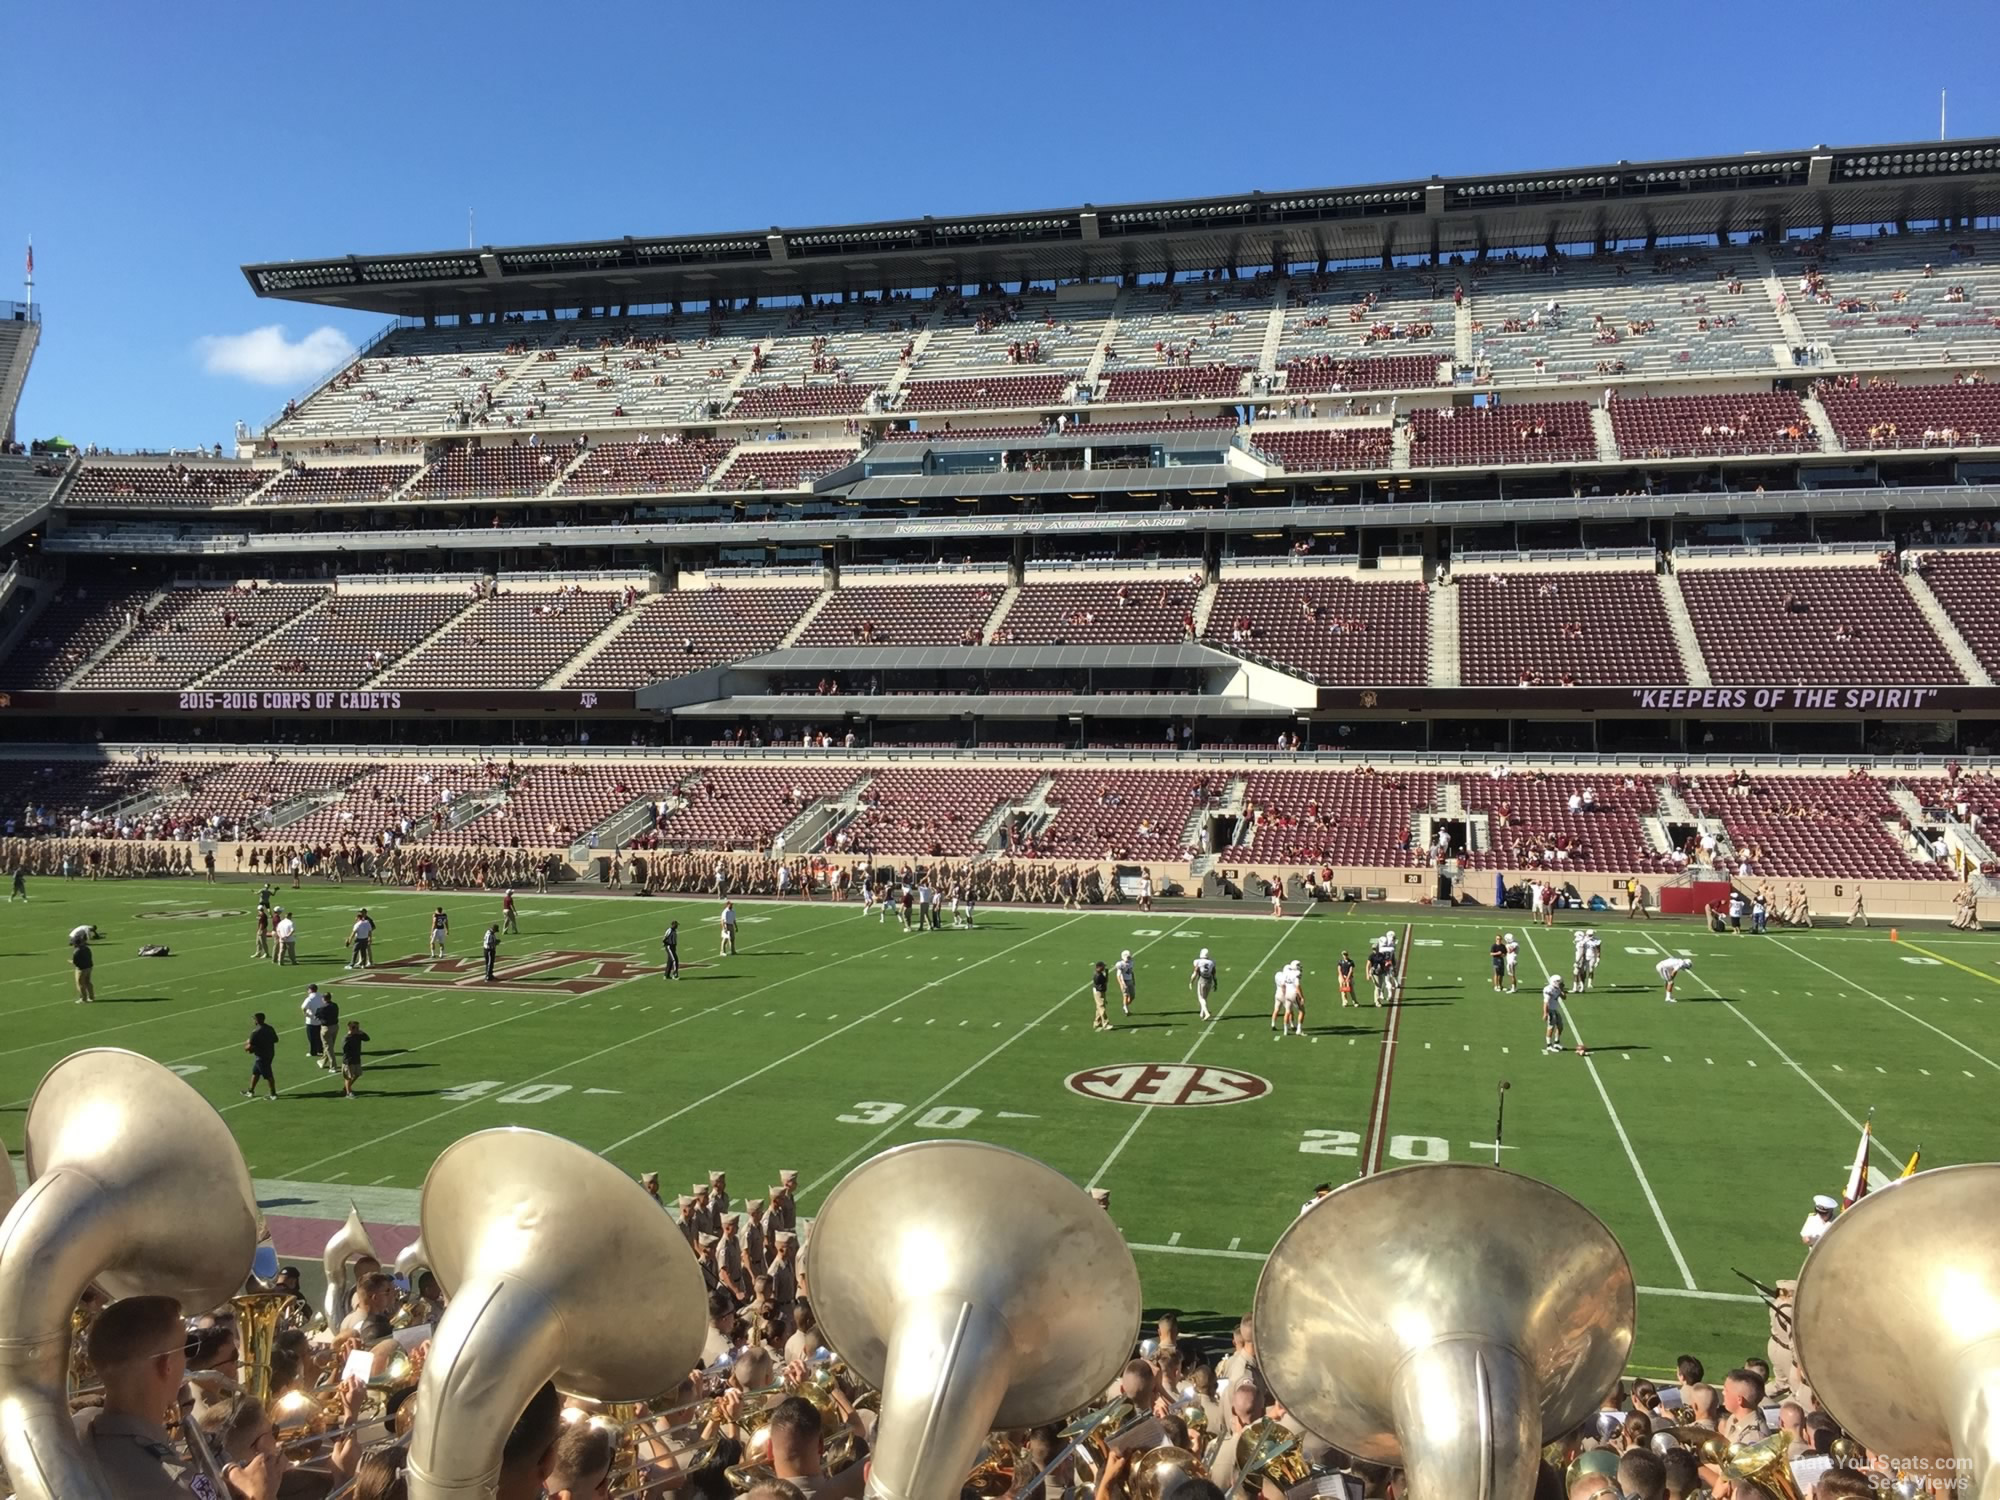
<point x="1041" y="882"/>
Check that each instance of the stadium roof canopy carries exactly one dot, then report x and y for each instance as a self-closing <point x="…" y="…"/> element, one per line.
<point x="1775" y="193"/>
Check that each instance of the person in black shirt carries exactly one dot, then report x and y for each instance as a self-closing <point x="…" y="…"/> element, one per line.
<point x="1100" y="986"/>
<point x="489" y="947"/>
<point x="671" y="941"/>
<point x="350" y="1058"/>
<point x="262" y="1045"/>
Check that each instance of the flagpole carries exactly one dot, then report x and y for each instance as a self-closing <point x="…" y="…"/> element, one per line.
<point x="31" y="278"/>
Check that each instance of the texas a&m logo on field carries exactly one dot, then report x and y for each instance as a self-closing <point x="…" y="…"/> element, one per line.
<point x="1167" y="1084"/>
<point x="567" y="972"/>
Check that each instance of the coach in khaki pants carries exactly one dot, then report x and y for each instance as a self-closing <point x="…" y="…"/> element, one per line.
<point x="82" y="961"/>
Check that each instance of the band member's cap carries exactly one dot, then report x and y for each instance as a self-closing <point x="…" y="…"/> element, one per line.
<point x="649" y="1179"/>
<point x="1101" y="1197"/>
<point x="707" y="1241"/>
<point x="1825" y="1204"/>
<point x="715" y="1179"/>
<point x="788" y="1176"/>
<point x="684" y="1204"/>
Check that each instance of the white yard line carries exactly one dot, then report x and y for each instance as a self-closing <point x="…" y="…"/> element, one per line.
<point x="1625" y="1140"/>
<point x="875" y="1140"/>
<point x="1786" y="1058"/>
<point x="1385" y="1068"/>
<point x="629" y="1041"/>
<point x="1201" y="1036"/>
<point x="1805" y="958"/>
<point x="711" y="1097"/>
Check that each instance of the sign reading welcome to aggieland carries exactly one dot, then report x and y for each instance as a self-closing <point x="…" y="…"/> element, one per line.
<point x="331" y="702"/>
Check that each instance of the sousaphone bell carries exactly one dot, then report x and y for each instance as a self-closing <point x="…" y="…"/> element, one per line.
<point x="348" y="1242"/>
<point x="1450" y="1319"/>
<point x="561" y="1267"/>
<point x="1896" y="1322"/>
<point x="978" y="1290"/>
<point x="135" y="1184"/>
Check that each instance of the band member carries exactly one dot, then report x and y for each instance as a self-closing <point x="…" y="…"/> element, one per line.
<point x="1100" y="986"/>
<point x="1128" y="982"/>
<point x="1346" y="970"/>
<point x="670" y="941"/>
<point x="440" y="928"/>
<point x="1552" y="1014"/>
<point x="1202" y="981"/>
<point x="1669" y="969"/>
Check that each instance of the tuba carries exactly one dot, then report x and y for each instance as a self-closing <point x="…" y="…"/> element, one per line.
<point x="350" y="1240"/>
<point x="135" y="1184"/>
<point x="554" y="1259"/>
<point x="1896" y="1322"/>
<point x="1157" y="1471"/>
<point x="977" y="1289"/>
<point x="1450" y="1319"/>
<point x="1767" y="1465"/>
<point x="1270" y="1450"/>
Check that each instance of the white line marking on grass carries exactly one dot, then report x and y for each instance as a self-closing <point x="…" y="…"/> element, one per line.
<point x="588" y="1058"/>
<point x="380" y="1180"/>
<point x="1249" y="976"/>
<point x="800" y="1051"/>
<point x="1807" y="958"/>
<point x="1631" y="1155"/>
<point x="1239" y="1240"/>
<point x="1786" y="1058"/>
<point x="1174" y="1238"/>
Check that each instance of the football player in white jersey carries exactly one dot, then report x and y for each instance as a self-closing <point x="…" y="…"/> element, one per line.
<point x="1593" y="955"/>
<point x="1281" y="1003"/>
<point x="1669" y="969"/>
<point x="1391" y="972"/>
<point x="1552" y="1014"/>
<point x="1128" y="982"/>
<point x="1298" y="997"/>
<point x="1513" y="963"/>
<point x="1201" y="979"/>
<point x="1580" y="967"/>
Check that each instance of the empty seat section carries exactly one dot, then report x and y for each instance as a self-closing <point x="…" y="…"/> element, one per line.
<point x="310" y="484"/>
<point x="1804" y="826"/>
<point x="905" y="615"/>
<point x="935" y="811"/>
<point x="345" y="642"/>
<point x="1326" y="450"/>
<point x="1808" y="625"/>
<point x="1712" y="426"/>
<point x="1528" y="432"/>
<point x="665" y="467"/>
<point x="761" y="468"/>
<point x="515" y="471"/>
<point x="1327" y="627"/>
<point x="193" y="632"/>
<point x="745" y="807"/>
<point x="1099" y="613"/>
<point x="167" y="484"/>
<point x="1531" y="823"/>
<point x="1330" y="817"/>
<point x="516" y="640"/>
<point x="1578" y="626"/>
<point x="689" y="629"/>
<point x="1022" y="392"/>
<point x="74" y="625"/>
<point x="1967" y="584"/>
<point x="1914" y="416"/>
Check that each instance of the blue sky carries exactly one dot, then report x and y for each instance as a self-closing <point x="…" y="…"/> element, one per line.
<point x="152" y="150"/>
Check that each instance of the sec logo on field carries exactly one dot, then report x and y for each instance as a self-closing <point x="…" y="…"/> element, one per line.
<point x="1171" y="1084"/>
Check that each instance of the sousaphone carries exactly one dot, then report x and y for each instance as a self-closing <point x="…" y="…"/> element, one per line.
<point x="136" y="1185"/>
<point x="562" y="1268"/>
<point x="1896" y="1322"/>
<point x="977" y="1289"/>
<point x="1449" y="1319"/>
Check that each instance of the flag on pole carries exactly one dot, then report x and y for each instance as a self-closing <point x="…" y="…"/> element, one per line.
<point x="1910" y="1169"/>
<point x="31" y="260"/>
<point x="1857" y="1177"/>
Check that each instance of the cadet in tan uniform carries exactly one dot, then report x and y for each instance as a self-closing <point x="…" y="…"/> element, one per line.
<point x="784" y="1201"/>
<point x="784" y="1271"/>
<point x="139" y="1348"/>
<point x="756" y="1234"/>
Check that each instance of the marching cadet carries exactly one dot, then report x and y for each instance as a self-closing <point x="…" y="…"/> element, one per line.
<point x="784" y="1201"/>
<point x="756" y="1235"/>
<point x="784" y="1268"/>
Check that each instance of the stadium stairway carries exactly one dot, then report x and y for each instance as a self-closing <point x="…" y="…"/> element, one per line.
<point x="821" y="819"/>
<point x="307" y="803"/>
<point x="303" y="617"/>
<point x="993" y="621"/>
<point x="988" y="837"/>
<point x="1607" y="438"/>
<point x="568" y="469"/>
<point x="1444" y="670"/>
<point x="1961" y="654"/>
<point x="118" y="638"/>
<point x="1774" y="288"/>
<point x="791" y="637"/>
<point x="1685" y="640"/>
<point x="1461" y="323"/>
<point x="1204" y="605"/>
<point x="1673" y="807"/>
<point x="1107" y="341"/>
<point x="892" y="389"/>
<point x="1829" y="440"/>
<point x="422" y="645"/>
<point x="620" y="623"/>
<point x="1399" y="446"/>
<point x="1274" y="330"/>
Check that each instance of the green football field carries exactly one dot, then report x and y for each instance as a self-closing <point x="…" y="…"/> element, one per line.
<point x="1698" y="1131"/>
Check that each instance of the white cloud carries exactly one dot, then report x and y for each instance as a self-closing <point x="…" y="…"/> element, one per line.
<point x="265" y="356"/>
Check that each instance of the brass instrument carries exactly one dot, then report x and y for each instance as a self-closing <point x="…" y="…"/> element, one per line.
<point x="1270" y="1450"/>
<point x="1158" y="1470"/>
<point x="1766" y="1464"/>
<point x="992" y="1472"/>
<point x="135" y="1184"/>
<point x="977" y="1289"/>
<point x="412" y="1259"/>
<point x="259" y="1319"/>
<point x="1450" y="1319"/>
<point x="560" y="1267"/>
<point x="1896" y="1322"/>
<point x="350" y="1240"/>
<point x="1194" y="1417"/>
<point x="1707" y="1445"/>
